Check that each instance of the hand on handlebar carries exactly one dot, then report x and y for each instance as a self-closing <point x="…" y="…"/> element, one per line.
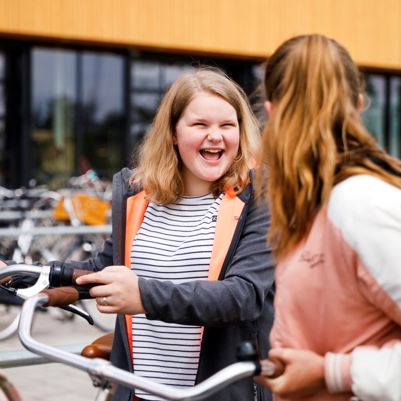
<point x="302" y="374"/>
<point x="116" y="290"/>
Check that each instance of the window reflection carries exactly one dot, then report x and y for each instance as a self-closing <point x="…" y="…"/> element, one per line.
<point x="102" y="121"/>
<point x="395" y="117"/>
<point x="144" y="105"/>
<point x="145" y="75"/>
<point x="77" y="109"/>
<point x="374" y="115"/>
<point x="149" y="81"/>
<point x="2" y="66"/>
<point x="137" y="133"/>
<point x="2" y="118"/>
<point x="2" y="101"/>
<point x="172" y="72"/>
<point x="53" y="102"/>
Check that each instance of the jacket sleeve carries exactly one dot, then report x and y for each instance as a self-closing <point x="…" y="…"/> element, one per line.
<point x="238" y="297"/>
<point x="376" y="373"/>
<point x="371" y="224"/>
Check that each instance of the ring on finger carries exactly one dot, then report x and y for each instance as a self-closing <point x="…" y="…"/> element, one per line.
<point x="103" y="301"/>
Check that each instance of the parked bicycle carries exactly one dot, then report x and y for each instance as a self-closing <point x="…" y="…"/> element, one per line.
<point x="37" y="218"/>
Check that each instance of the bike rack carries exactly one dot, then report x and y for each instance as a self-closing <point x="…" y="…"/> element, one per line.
<point x="57" y="230"/>
<point x="18" y="358"/>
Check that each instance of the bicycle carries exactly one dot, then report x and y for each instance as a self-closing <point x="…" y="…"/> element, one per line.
<point x="34" y="209"/>
<point x="102" y="373"/>
<point x="21" y="210"/>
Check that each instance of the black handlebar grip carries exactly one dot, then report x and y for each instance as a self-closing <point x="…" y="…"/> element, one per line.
<point x="248" y="351"/>
<point x="65" y="276"/>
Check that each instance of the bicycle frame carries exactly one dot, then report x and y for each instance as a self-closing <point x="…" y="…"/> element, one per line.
<point x="104" y="371"/>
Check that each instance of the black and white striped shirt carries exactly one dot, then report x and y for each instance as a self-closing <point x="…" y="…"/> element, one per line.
<point x="174" y="243"/>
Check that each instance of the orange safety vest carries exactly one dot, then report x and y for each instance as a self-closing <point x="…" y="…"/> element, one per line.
<point x="229" y="212"/>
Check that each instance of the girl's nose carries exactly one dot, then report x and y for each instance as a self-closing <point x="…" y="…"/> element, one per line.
<point x="214" y="136"/>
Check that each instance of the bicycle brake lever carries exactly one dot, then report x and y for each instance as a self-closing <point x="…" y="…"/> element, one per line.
<point x="79" y="312"/>
<point x="41" y="284"/>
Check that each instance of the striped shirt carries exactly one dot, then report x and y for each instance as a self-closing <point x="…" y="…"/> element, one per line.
<point x="174" y="243"/>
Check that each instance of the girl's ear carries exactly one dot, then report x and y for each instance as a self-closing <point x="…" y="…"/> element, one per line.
<point x="174" y="138"/>
<point x="268" y="107"/>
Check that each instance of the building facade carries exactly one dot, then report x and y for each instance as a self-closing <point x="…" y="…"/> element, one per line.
<point x="80" y="81"/>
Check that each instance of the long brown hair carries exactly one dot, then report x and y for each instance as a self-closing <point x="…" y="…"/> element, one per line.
<point x="314" y="138"/>
<point x="159" y="170"/>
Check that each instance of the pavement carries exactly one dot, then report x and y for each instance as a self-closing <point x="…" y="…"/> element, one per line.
<point x="50" y="381"/>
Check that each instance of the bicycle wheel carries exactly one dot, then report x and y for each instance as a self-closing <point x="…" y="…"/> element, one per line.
<point x="7" y="390"/>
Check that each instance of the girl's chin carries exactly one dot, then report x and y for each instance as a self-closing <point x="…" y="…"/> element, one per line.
<point x="212" y="178"/>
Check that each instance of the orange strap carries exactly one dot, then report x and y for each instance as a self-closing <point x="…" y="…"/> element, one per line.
<point x="136" y="207"/>
<point x="229" y="212"/>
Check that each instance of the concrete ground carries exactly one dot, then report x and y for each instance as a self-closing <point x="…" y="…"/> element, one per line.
<point x="51" y="381"/>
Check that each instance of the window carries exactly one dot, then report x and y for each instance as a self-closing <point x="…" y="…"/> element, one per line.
<point x="54" y="96"/>
<point x="149" y="81"/>
<point x="383" y="110"/>
<point x="101" y="123"/>
<point x="374" y="115"/>
<point x="77" y="112"/>
<point x="395" y="117"/>
<point x="2" y="118"/>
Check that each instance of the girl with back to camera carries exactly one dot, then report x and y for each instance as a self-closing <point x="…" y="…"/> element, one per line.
<point x="186" y="223"/>
<point x="335" y="201"/>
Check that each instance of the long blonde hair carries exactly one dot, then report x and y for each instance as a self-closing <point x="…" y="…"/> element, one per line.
<point x="160" y="165"/>
<point x="314" y="138"/>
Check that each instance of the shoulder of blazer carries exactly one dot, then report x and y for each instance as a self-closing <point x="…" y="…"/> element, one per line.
<point x="122" y="183"/>
<point x="247" y="194"/>
<point x="121" y="190"/>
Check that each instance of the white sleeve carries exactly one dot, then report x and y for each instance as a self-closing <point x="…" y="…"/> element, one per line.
<point x="376" y="373"/>
<point x="367" y="210"/>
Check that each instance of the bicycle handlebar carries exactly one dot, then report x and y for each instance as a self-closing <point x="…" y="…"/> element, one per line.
<point x="62" y="296"/>
<point x="104" y="370"/>
<point x="65" y="276"/>
<point x="47" y="277"/>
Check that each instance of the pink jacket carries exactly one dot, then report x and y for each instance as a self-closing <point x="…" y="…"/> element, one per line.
<point x="339" y="292"/>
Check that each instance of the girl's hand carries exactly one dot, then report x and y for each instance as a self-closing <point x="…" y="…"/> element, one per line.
<point x="117" y="290"/>
<point x="303" y="373"/>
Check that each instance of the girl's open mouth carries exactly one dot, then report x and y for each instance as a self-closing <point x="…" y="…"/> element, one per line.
<point x="211" y="154"/>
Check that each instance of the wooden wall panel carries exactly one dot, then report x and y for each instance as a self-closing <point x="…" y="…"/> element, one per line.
<point x="370" y="29"/>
